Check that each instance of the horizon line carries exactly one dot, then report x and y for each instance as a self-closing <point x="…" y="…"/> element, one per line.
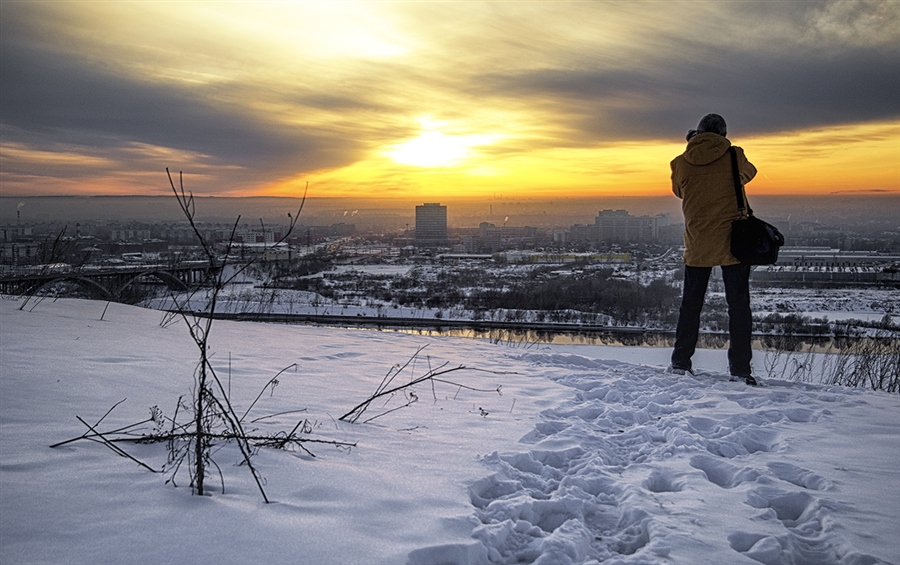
<point x="864" y="192"/>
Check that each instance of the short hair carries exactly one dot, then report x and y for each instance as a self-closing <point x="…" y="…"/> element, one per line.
<point x="713" y="123"/>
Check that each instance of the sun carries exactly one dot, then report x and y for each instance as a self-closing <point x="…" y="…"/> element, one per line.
<point x="430" y="149"/>
<point x="433" y="148"/>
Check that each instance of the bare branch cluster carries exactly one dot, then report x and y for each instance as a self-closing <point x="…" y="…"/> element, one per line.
<point x="388" y="389"/>
<point x="180" y="440"/>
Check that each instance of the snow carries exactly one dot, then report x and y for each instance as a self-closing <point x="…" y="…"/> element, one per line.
<point x="835" y="303"/>
<point x="590" y="455"/>
<point x="379" y="269"/>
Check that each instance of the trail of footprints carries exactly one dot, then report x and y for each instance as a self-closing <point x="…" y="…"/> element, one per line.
<point x="564" y="501"/>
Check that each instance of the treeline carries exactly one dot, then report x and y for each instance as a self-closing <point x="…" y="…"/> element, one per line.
<point x="547" y="292"/>
<point x="598" y="292"/>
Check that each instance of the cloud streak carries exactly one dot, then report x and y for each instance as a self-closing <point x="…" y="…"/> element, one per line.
<point x="69" y="102"/>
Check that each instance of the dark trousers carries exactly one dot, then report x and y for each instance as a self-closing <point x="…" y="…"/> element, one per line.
<point x="737" y="295"/>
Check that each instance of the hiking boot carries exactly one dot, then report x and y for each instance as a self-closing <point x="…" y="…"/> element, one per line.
<point x="746" y="378"/>
<point x="675" y="370"/>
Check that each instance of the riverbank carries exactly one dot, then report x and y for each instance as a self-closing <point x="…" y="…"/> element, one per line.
<point x="527" y="332"/>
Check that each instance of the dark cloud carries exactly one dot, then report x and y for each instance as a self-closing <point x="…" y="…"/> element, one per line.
<point x="66" y="101"/>
<point x="757" y="93"/>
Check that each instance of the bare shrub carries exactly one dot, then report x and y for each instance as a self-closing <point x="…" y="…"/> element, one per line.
<point x="211" y="416"/>
<point x="861" y="361"/>
<point x="873" y="362"/>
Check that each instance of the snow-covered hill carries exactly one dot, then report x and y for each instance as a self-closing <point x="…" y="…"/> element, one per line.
<point x="590" y="454"/>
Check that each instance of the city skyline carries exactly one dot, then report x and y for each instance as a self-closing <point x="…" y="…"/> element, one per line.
<point x="392" y="214"/>
<point x="427" y="101"/>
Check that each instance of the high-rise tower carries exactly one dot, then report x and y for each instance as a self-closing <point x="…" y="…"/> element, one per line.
<point x="431" y="225"/>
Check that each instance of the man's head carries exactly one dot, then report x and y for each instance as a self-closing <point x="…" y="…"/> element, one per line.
<point x="713" y="123"/>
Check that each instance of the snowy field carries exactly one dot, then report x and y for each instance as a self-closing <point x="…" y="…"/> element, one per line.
<point x="837" y="304"/>
<point x="871" y="305"/>
<point x="590" y="454"/>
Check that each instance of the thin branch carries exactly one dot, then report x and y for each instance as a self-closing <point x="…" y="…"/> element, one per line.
<point x="267" y="416"/>
<point x="114" y="447"/>
<point x="433" y="375"/>
<point x="272" y="382"/>
<point x="89" y="436"/>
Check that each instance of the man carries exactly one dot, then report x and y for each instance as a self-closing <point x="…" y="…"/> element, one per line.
<point x="702" y="177"/>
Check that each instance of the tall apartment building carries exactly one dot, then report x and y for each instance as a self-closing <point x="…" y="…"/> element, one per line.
<point x="431" y="225"/>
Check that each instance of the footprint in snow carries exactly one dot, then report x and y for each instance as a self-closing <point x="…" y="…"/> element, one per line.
<point x="723" y="473"/>
<point x="799" y="476"/>
<point x="810" y="535"/>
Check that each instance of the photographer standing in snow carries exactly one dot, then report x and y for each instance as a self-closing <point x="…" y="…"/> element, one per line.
<point x="702" y="177"/>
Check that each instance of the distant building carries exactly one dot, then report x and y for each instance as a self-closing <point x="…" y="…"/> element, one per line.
<point x="11" y="253"/>
<point x="825" y="266"/>
<point x="431" y="225"/>
<point x="491" y="237"/>
<point x="619" y="225"/>
<point x="16" y="232"/>
<point x="560" y="236"/>
<point x="129" y="234"/>
<point x="246" y="234"/>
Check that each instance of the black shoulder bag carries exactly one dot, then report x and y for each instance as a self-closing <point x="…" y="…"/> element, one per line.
<point x="753" y="241"/>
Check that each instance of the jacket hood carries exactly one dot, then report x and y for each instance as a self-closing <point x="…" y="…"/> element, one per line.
<point x="704" y="148"/>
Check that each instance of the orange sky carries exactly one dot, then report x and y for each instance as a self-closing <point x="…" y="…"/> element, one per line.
<point x="437" y="100"/>
<point x="854" y="157"/>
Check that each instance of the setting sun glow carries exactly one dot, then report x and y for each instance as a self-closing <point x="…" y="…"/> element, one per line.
<point x="433" y="148"/>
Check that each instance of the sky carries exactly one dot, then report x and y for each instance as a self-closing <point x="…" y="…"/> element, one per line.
<point x="435" y="100"/>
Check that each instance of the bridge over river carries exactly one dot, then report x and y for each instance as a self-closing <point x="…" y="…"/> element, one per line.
<point x="106" y="283"/>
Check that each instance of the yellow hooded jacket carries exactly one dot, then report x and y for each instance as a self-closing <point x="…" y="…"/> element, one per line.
<point x="702" y="178"/>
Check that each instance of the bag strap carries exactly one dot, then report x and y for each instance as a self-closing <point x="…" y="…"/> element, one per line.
<point x="738" y="192"/>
